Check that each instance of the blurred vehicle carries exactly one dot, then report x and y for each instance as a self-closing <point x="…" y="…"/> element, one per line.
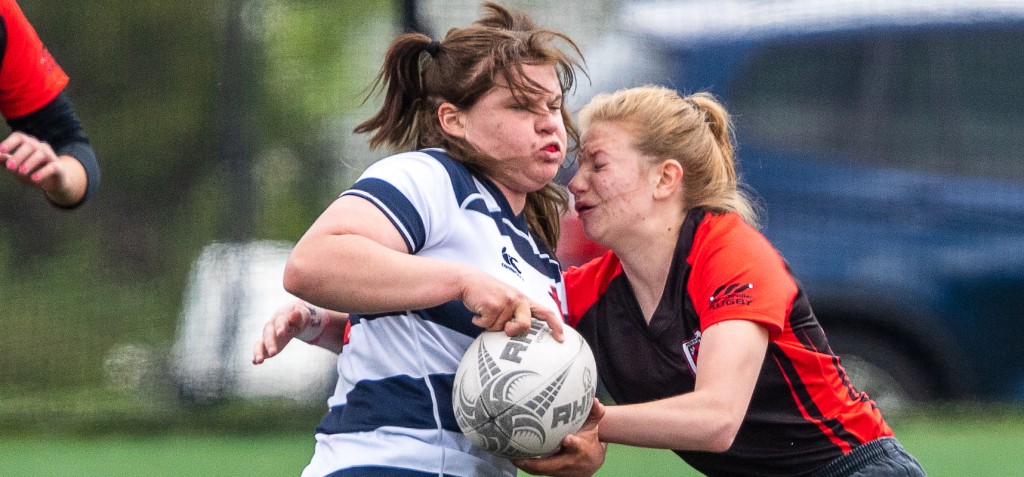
<point x="233" y="289"/>
<point x="884" y="143"/>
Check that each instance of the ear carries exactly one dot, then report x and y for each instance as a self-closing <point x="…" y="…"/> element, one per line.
<point x="669" y="178"/>
<point x="453" y="120"/>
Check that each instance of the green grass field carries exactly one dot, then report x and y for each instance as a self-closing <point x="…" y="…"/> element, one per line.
<point x="978" y="445"/>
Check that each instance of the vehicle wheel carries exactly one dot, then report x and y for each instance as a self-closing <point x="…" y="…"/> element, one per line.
<point x="893" y="377"/>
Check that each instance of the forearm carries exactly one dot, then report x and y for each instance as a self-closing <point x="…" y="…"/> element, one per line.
<point x="333" y="336"/>
<point x="87" y="169"/>
<point x="355" y="274"/>
<point x="685" y="422"/>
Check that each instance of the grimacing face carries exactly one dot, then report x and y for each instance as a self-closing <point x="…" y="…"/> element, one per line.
<point x="528" y="141"/>
<point x="612" y="187"/>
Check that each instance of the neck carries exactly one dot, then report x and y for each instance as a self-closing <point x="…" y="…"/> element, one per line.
<point x="516" y="200"/>
<point x="647" y="257"/>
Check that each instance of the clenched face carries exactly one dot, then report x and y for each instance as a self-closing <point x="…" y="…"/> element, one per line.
<point x="526" y="135"/>
<point x="613" y="187"/>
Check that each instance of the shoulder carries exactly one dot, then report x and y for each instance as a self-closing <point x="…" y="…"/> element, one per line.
<point x="16" y="25"/>
<point x="729" y="237"/>
<point x="738" y="274"/>
<point x="605" y="266"/>
<point x="9" y="10"/>
<point x="585" y="284"/>
<point x="420" y="167"/>
<point x="408" y="162"/>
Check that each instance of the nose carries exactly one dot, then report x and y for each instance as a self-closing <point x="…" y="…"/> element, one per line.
<point x="549" y="122"/>
<point x="577" y="184"/>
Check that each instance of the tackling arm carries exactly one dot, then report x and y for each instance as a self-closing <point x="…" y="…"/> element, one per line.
<point x="708" y="418"/>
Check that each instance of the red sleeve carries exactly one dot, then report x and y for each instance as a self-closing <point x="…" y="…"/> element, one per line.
<point x="738" y="275"/>
<point x="29" y="76"/>
<point x="586" y="283"/>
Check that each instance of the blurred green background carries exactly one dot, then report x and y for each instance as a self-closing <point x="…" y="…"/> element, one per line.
<point x="228" y="120"/>
<point x="160" y="97"/>
<point x="213" y="121"/>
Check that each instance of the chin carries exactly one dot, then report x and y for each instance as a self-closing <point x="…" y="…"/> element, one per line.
<point x="593" y="234"/>
<point x="541" y="182"/>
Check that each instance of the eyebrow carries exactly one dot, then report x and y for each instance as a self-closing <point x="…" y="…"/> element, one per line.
<point x="558" y="95"/>
<point x="542" y="97"/>
<point x="588" y="152"/>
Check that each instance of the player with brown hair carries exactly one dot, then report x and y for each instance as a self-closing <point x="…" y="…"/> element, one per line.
<point x="430" y="247"/>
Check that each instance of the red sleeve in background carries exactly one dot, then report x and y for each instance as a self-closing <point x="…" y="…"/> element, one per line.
<point x="29" y="76"/>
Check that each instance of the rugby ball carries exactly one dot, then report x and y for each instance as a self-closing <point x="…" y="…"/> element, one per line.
<point x="518" y="396"/>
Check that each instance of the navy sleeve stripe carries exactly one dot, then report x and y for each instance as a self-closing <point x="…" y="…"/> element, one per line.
<point x="397" y="207"/>
<point x="399" y="401"/>
<point x="452" y="315"/>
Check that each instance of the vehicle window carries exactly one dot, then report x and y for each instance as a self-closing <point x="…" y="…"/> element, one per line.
<point x="947" y="101"/>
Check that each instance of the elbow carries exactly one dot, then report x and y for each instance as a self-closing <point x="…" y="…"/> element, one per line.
<point x="724" y="434"/>
<point x="722" y="440"/>
<point x="298" y="276"/>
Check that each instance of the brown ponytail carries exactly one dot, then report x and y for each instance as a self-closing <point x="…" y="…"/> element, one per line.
<point x="392" y="125"/>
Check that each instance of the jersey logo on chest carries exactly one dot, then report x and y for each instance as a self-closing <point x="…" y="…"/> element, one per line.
<point x="510" y="262"/>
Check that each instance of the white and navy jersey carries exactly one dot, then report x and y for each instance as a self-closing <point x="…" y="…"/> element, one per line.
<point x="392" y="409"/>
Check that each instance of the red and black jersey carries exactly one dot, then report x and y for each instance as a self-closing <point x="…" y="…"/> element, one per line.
<point x="29" y="76"/>
<point x="803" y="413"/>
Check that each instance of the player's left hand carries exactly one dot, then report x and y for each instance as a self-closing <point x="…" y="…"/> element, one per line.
<point x="33" y="162"/>
<point x="287" y="322"/>
<point x="581" y="454"/>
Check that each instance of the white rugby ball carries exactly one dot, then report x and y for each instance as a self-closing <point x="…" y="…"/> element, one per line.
<point x="518" y="396"/>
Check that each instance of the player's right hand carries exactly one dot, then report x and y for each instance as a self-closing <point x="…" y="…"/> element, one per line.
<point x="286" y="323"/>
<point x="496" y="306"/>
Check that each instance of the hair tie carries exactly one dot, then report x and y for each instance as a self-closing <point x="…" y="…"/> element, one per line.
<point x="692" y="103"/>
<point x="433" y="48"/>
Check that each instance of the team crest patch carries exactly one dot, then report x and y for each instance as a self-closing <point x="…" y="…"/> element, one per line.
<point x="732" y="294"/>
<point x="690" y="350"/>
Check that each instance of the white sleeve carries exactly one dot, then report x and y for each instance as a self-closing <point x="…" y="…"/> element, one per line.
<point x="413" y="190"/>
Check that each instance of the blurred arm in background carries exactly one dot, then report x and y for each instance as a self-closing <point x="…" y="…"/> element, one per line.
<point x="47" y="148"/>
